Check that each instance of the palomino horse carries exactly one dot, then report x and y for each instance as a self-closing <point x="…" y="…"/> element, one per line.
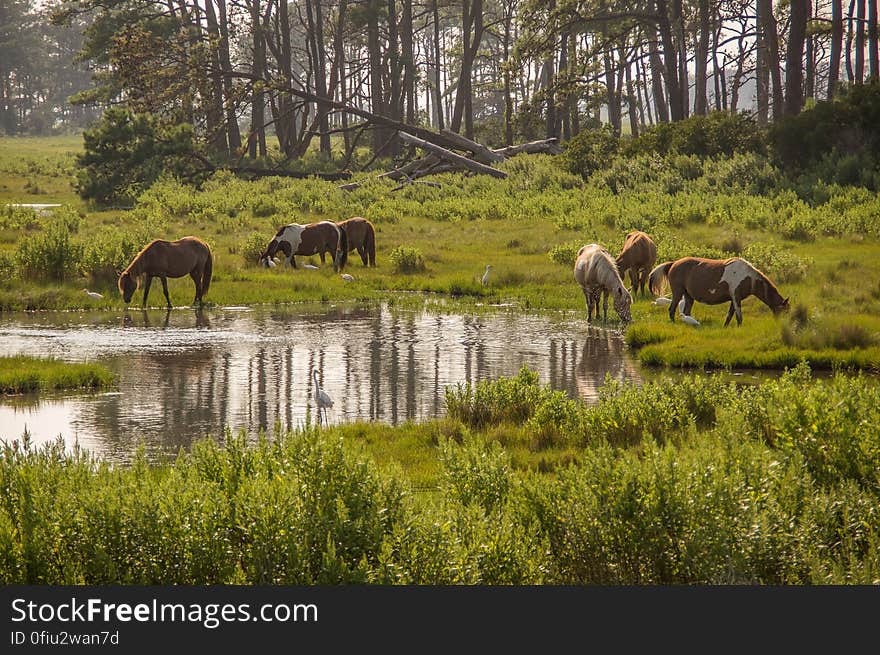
<point x="361" y="236"/>
<point x="596" y="273"/>
<point x="638" y="256"/>
<point x="163" y="259"/>
<point x="312" y="239"/>
<point x="714" y="281"/>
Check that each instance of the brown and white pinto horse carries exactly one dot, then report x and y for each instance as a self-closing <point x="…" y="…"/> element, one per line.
<point x="714" y="281"/>
<point x="596" y="273"/>
<point x="312" y="239"/>
<point x="638" y="257"/>
<point x="361" y="236"/>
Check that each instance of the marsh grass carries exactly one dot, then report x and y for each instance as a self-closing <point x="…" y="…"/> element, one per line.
<point x="21" y="374"/>
<point x="688" y="481"/>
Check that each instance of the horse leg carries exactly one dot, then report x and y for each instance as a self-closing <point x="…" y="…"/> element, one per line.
<point x="739" y="315"/>
<point x="196" y="277"/>
<point x="362" y="251"/>
<point x="634" y="279"/>
<point x="589" y="305"/>
<point x="676" y="298"/>
<point x="147" y="289"/>
<point x="604" y="306"/>
<point x="643" y="281"/>
<point x="730" y="311"/>
<point x="165" y="289"/>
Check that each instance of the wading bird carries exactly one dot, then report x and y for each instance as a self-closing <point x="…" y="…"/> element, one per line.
<point x="311" y="267"/>
<point x="92" y="294"/>
<point x="322" y="399"/>
<point x="347" y="277"/>
<point x="486" y="275"/>
<point x="690" y="320"/>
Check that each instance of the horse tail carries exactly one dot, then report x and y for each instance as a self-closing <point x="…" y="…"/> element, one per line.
<point x="371" y="244"/>
<point x="657" y="278"/>
<point x="341" y="247"/>
<point x="207" y="271"/>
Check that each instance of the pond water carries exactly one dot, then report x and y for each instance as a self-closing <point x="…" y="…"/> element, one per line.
<point x="186" y="373"/>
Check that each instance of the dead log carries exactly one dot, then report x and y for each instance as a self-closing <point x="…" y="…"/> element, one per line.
<point x="547" y="146"/>
<point x="461" y="161"/>
<point x="481" y="153"/>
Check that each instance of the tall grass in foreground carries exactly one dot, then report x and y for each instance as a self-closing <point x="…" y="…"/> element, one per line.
<point x="672" y="483"/>
<point x="22" y="374"/>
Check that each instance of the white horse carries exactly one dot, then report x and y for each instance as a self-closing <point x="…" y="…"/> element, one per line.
<point x="596" y="272"/>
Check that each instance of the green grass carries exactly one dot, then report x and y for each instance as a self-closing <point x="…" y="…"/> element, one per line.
<point x="27" y="374"/>
<point x="825" y="257"/>
<point x="690" y="480"/>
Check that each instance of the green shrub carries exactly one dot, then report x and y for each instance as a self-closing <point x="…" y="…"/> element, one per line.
<point x="252" y="247"/>
<point x="51" y="254"/>
<point x="589" y="151"/>
<point x="717" y="133"/>
<point x="406" y="259"/>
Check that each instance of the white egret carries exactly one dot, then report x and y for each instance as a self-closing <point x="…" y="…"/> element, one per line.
<point x="347" y="277"/>
<point x="690" y="320"/>
<point x="311" y="267"/>
<point x="486" y="275"/>
<point x="322" y="398"/>
<point x="662" y="301"/>
<point x="270" y="263"/>
<point x="92" y="294"/>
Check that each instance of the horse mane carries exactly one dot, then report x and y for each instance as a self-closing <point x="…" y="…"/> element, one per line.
<point x="133" y="263"/>
<point x="605" y="268"/>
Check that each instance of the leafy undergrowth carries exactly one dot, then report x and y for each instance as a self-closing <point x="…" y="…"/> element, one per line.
<point x="692" y="481"/>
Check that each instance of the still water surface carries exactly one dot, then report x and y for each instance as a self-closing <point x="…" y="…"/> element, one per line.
<point x="186" y="373"/>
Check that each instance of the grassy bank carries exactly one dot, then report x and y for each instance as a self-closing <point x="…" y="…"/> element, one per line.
<point x="27" y="374"/>
<point x="693" y="481"/>
<point x="821" y="251"/>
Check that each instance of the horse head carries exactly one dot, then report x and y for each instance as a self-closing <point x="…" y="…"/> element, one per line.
<point x="622" y="302"/>
<point x="127" y="286"/>
<point x="272" y="249"/>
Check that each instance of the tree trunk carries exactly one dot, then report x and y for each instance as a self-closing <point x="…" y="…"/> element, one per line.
<point x="377" y="103"/>
<point x="257" y="138"/>
<point x="701" y="100"/>
<point x="508" y="93"/>
<point x="810" y="61"/>
<point x="670" y="61"/>
<point x="860" y="41"/>
<point x="836" y="46"/>
<point x="214" y="117"/>
<point x="794" y="60"/>
<point x="873" y="49"/>
<point x="762" y="71"/>
<point x="409" y="62"/>
<point x="681" y="44"/>
<point x="438" y="92"/>
<point x="849" y="41"/>
<point x="632" y="108"/>
<point x="772" y="54"/>
<point x="660" y="107"/>
<point x="233" y="132"/>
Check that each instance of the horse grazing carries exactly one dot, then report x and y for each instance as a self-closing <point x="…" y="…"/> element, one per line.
<point x="163" y="259"/>
<point x="714" y="281"/>
<point x="361" y="236"/>
<point x="313" y="239"/>
<point x="596" y="273"/>
<point x="638" y="256"/>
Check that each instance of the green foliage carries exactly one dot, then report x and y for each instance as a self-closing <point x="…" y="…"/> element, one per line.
<point x="779" y="263"/>
<point x="105" y="256"/>
<point x="126" y="152"/>
<point x="252" y="247"/>
<point x="52" y="253"/>
<point x="565" y="253"/>
<point x="836" y="140"/>
<point x="718" y="133"/>
<point x="407" y="259"/>
<point x="590" y="151"/>
<point x="475" y="472"/>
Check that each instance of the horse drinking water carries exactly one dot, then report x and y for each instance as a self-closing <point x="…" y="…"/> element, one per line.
<point x="596" y="273"/>
<point x="638" y="256"/>
<point x="163" y="259"/>
<point x="313" y="239"/>
<point x="714" y="281"/>
<point x="361" y="235"/>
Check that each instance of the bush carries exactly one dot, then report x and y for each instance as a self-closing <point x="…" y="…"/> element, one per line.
<point x="126" y="152"/>
<point x="718" y="133"/>
<point x="252" y="247"/>
<point x="51" y="254"/>
<point x="589" y="151"/>
<point x="406" y="259"/>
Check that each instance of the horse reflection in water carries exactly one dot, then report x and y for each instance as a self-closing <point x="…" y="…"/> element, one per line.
<point x="201" y="319"/>
<point x="603" y="354"/>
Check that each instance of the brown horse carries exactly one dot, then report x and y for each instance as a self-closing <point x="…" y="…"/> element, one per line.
<point x="361" y="236"/>
<point x="638" y="256"/>
<point x="714" y="281"/>
<point x="596" y="273"/>
<point x="312" y="239"/>
<point x="163" y="259"/>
